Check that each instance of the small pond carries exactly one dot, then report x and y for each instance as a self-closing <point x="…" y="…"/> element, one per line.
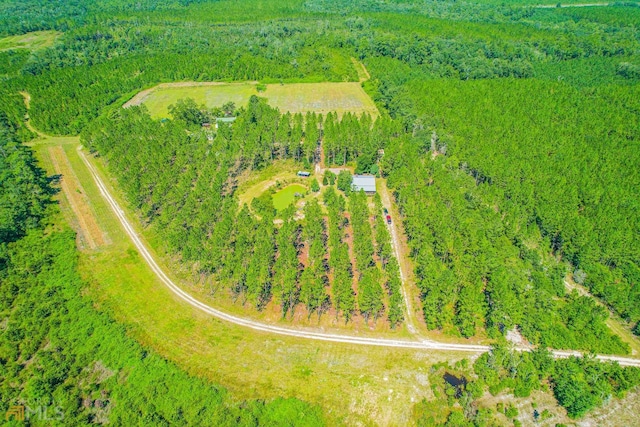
<point x="458" y="383"/>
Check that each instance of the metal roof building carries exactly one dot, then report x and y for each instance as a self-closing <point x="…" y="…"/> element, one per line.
<point x="364" y="182"/>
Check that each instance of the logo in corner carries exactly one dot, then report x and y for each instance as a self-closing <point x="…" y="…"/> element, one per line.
<point x="16" y="411"/>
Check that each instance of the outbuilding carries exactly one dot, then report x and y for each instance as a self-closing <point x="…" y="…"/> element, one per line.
<point x="304" y="173"/>
<point x="364" y="182"/>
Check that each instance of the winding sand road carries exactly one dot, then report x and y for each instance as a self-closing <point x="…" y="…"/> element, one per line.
<point x="349" y="339"/>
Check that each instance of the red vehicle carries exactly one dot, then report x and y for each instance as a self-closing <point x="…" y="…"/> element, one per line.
<point x="388" y="219"/>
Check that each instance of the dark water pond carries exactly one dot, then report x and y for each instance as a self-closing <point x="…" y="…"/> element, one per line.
<point x="458" y="383"/>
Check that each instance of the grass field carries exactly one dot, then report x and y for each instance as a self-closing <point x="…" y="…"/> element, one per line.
<point x="293" y="97"/>
<point x="283" y="198"/>
<point x="33" y="41"/>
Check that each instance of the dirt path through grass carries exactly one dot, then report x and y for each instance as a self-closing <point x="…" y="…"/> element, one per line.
<point x="27" y="122"/>
<point x="401" y="256"/>
<point x="363" y="74"/>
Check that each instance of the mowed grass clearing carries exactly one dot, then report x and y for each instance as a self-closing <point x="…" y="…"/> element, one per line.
<point x="35" y="40"/>
<point x="292" y="97"/>
<point x="90" y="217"/>
<point x="283" y="198"/>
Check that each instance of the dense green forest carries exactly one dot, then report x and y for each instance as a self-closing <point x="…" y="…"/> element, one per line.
<point x="550" y="189"/>
<point x="194" y="205"/>
<point x="474" y="270"/>
<point x="58" y="352"/>
<point x="508" y="134"/>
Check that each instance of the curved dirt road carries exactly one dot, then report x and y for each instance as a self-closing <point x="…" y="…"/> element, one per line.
<point x="299" y="333"/>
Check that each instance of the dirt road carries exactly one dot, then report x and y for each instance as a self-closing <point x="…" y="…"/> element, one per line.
<point x="299" y="333"/>
<point x="410" y="314"/>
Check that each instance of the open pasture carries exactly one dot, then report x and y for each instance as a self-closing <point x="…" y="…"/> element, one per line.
<point x="293" y="97"/>
<point x="34" y="40"/>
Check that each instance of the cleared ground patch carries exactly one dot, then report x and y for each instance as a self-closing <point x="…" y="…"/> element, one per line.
<point x="253" y="184"/>
<point x="320" y="98"/>
<point x="33" y="41"/>
<point x="159" y="98"/>
<point x="91" y="233"/>
<point x="283" y="198"/>
<point x="293" y="97"/>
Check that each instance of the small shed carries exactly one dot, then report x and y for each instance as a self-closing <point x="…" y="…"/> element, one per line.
<point x="304" y="173"/>
<point x="364" y="182"/>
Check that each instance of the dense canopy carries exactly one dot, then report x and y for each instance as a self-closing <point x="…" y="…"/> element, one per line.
<point x="508" y="136"/>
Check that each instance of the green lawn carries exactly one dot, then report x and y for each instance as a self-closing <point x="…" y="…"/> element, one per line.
<point x="283" y="198"/>
<point x="212" y="96"/>
<point x="33" y="41"/>
<point x="293" y="97"/>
